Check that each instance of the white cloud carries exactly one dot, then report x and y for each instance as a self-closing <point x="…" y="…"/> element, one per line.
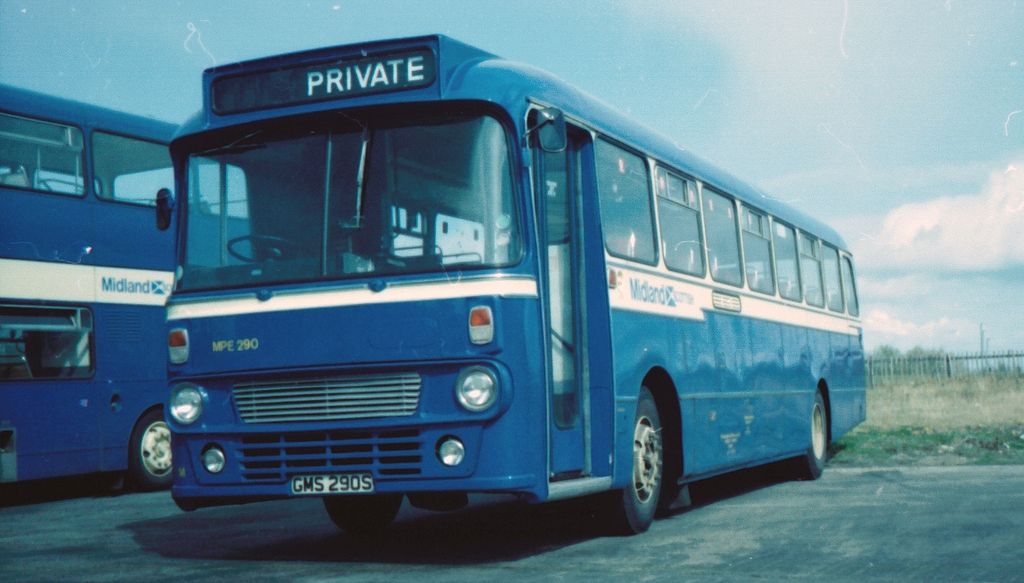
<point x="881" y="327"/>
<point x="909" y="178"/>
<point x="976" y="232"/>
<point x="942" y="310"/>
<point x="886" y="289"/>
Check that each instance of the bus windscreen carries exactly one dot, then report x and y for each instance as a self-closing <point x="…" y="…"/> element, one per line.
<point x="368" y="197"/>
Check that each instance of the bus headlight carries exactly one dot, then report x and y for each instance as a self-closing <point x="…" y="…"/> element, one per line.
<point x="476" y="389"/>
<point x="186" y="403"/>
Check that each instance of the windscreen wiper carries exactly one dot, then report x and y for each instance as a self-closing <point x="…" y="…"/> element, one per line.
<point x="236" y="146"/>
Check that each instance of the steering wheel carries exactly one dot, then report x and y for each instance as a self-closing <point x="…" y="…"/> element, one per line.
<point x="276" y="247"/>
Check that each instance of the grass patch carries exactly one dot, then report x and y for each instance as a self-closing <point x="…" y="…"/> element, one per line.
<point x="909" y="446"/>
<point x="947" y="404"/>
<point x="975" y="421"/>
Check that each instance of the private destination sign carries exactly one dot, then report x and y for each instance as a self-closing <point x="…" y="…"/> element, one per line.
<point x="337" y="79"/>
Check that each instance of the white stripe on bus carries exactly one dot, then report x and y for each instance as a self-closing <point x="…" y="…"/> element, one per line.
<point x="65" y="282"/>
<point x="653" y="293"/>
<point x="520" y="287"/>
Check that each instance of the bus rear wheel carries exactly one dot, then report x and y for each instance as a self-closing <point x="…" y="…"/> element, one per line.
<point x="149" y="453"/>
<point x="632" y="509"/>
<point x="363" y="515"/>
<point x="812" y="463"/>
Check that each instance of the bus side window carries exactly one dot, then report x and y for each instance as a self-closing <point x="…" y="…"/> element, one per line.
<point x="757" y="252"/>
<point x="723" y="241"/>
<point x="833" y="285"/>
<point x="786" y="261"/>
<point x="679" y="212"/>
<point x="810" y="267"/>
<point x="850" y="288"/>
<point x="624" y="190"/>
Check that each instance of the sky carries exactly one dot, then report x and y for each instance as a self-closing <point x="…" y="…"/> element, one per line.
<point x="899" y="123"/>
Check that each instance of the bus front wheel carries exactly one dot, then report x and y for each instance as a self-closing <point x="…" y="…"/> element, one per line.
<point x="149" y="453"/>
<point x="632" y="509"/>
<point x="363" y="515"/>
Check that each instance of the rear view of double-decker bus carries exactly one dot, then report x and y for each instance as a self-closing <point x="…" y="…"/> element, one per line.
<point x="394" y="282"/>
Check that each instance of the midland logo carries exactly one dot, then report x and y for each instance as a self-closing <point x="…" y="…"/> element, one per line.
<point x="641" y="291"/>
<point x="123" y="285"/>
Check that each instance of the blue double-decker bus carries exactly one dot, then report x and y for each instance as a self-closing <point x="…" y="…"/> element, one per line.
<point x="413" y="270"/>
<point x="84" y="275"/>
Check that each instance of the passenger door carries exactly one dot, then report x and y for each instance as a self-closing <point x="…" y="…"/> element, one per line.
<point x="558" y="197"/>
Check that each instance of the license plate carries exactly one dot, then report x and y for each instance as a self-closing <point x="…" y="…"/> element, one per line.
<point x="320" y="484"/>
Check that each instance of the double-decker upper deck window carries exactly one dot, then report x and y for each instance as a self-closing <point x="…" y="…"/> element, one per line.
<point x="624" y="188"/>
<point x="130" y="170"/>
<point x="786" y="259"/>
<point x="723" y="240"/>
<point x="810" y="269"/>
<point x="757" y="252"/>
<point x="679" y="211"/>
<point x="38" y="155"/>
<point x="416" y="193"/>
<point x="833" y="285"/>
<point x="850" y="288"/>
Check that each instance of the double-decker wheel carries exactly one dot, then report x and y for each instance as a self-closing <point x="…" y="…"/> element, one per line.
<point x="632" y="509"/>
<point x="149" y="453"/>
<point x="363" y="515"/>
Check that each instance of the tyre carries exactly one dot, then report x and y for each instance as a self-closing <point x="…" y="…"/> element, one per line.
<point x="632" y="508"/>
<point x="812" y="463"/>
<point x="149" y="453"/>
<point x="363" y="515"/>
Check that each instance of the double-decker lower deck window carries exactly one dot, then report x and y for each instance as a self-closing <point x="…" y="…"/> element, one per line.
<point x="41" y="342"/>
<point x="350" y="197"/>
<point x="38" y="155"/>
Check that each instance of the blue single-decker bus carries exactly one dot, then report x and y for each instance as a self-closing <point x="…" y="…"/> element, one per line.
<point x="410" y="269"/>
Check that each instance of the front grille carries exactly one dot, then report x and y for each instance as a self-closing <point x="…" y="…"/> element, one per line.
<point x="276" y="457"/>
<point x="328" y="399"/>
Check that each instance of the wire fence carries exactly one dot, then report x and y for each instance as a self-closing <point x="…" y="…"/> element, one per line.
<point x="946" y="366"/>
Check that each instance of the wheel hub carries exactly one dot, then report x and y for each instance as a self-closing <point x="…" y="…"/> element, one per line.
<point x="818" y="432"/>
<point x="156" y="449"/>
<point x="646" y="459"/>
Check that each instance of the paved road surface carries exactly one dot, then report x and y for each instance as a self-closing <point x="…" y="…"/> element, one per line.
<point x="909" y="524"/>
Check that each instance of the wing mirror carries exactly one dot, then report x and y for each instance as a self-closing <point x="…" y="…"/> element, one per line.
<point x="549" y="123"/>
<point x="164" y="205"/>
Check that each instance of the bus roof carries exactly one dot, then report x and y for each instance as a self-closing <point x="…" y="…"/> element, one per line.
<point x="464" y="72"/>
<point x="18" y="101"/>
